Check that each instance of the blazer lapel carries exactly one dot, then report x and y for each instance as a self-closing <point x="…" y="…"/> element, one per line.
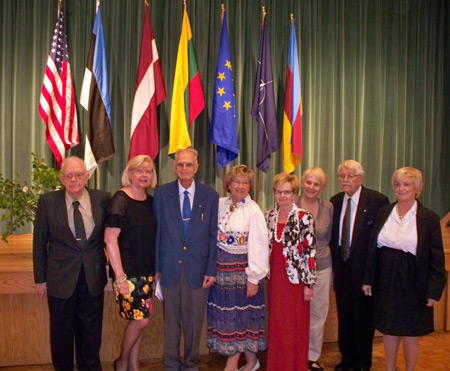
<point x="337" y="215"/>
<point x="61" y="214"/>
<point x="422" y="223"/>
<point x="174" y="202"/>
<point x="197" y="208"/>
<point x="361" y="212"/>
<point x="381" y="220"/>
<point x="96" y="214"/>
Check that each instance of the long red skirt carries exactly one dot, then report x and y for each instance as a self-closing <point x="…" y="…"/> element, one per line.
<point x="288" y="317"/>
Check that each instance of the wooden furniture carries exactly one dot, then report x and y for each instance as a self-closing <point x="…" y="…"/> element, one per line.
<point x="24" y="318"/>
<point x="25" y="326"/>
<point x="445" y="228"/>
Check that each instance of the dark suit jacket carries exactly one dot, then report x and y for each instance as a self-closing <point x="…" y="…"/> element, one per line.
<point x="369" y="203"/>
<point x="430" y="259"/>
<point x="198" y="251"/>
<point x="57" y="257"/>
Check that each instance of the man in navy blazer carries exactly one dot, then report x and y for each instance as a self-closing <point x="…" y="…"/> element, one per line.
<point x="186" y="255"/>
<point x="355" y="310"/>
<point x="70" y="269"/>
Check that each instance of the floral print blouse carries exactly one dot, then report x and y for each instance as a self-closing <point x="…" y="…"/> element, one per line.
<point x="299" y="245"/>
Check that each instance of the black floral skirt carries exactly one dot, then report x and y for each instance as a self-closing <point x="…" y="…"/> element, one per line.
<point x="139" y="303"/>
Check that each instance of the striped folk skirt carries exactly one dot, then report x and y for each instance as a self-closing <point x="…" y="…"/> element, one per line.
<point x="235" y="322"/>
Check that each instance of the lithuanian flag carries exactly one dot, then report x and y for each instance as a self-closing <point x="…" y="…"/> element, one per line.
<point x="187" y="99"/>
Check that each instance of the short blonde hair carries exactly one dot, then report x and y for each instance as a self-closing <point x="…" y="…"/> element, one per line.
<point x="189" y="149"/>
<point x="316" y="172"/>
<point x="238" y="170"/>
<point x="411" y="173"/>
<point x="134" y="163"/>
<point x="282" y="178"/>
<point x="352" y="165"/>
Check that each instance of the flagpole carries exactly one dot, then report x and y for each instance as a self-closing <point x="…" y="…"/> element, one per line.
<point x="292" y="18"/>
<point x="55" y="164"/>
<point x="263" y="17"/>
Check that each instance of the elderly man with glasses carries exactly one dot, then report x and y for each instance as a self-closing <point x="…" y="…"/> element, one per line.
<point x="186" y="257"/>
<point x="355" y="209"/>
<point x="69" y="266"/>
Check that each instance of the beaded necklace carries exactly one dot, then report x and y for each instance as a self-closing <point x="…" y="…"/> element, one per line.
<point x="279" y="240"/>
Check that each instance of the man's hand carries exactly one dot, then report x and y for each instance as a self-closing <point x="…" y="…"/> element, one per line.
<point x="367" y="290"/>
<point x="41" y="291"/>
<point x="208" y="281"/>
<point x="431" y="302"/>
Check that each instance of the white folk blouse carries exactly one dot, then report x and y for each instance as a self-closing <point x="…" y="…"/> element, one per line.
<point x="244" y="231"/>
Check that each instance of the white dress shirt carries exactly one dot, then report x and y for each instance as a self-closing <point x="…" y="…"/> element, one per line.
<point x="354" y="203"/>
<point x="191" y="193"/>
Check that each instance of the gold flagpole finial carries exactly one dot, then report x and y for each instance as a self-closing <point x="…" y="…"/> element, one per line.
<point x="263" y="16"/>
<point x="184" y="3"/>
<point x="59" y="7"/>
<point x="146" y="2"/>
<point x="222" y="7"/>
<point x="292" y="18"/>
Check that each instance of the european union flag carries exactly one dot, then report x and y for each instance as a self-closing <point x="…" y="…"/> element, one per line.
<point x="224" y="117"/>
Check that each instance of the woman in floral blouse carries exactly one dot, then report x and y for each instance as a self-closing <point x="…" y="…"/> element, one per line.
<point x="236" y="304"/>
<point x="292" y="247"/>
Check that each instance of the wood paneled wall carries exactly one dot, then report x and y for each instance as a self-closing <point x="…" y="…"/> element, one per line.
<point x="24" y="321"/>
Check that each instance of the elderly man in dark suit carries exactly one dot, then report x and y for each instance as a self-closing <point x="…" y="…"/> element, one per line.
<point x="69" y="266"/>
<point x="186" y="256"/>
<point x="354" y="214"/>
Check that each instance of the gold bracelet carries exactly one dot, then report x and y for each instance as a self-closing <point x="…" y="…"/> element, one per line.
<point x="119" y="282"/>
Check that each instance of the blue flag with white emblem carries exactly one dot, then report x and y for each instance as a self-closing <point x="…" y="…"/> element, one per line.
<point x="224" y="116"/>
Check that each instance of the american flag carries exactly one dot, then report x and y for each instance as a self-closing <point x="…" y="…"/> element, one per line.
<point x="57" y="103"/>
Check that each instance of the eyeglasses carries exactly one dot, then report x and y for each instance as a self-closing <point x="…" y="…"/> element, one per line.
<point x="71" y="176"/>
<point x="349" y="176"/>
<point x="280" y="193"/>
<point x="238" y="183"/>
<point x="187" y="165"/>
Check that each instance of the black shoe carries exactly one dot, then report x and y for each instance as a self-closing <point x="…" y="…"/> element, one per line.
<point x="343" y="367"/>
<point x="314" y="366"/>
<point x="360" y="369"/>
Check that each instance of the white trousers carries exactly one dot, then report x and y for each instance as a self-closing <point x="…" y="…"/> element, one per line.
<point x="319" y="311"/>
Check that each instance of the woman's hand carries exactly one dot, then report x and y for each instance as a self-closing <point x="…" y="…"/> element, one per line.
<point x="367" y="290"/>
<point x="431" y="302"/>
<point x="124" y="289"/>
<point x="252" y="289"/>
<point x="308" y="294"/>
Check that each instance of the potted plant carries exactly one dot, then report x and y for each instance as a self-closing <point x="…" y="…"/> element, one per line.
<point x="18" y="199"/>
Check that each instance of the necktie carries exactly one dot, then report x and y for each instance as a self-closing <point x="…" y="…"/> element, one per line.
<point x="80" y="233"/>
<point x="345" y="235"/>
<point x="186" y="212"/>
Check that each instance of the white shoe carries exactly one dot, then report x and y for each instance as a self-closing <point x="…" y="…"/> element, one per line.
<point x="257" y="366"/>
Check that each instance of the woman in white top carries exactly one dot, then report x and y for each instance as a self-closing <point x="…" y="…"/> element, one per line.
<point x="236" y="307"/>
<point x="405" y="270"/>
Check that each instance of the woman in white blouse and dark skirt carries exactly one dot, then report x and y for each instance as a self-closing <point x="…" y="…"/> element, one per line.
<point x="405" y="270"/>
